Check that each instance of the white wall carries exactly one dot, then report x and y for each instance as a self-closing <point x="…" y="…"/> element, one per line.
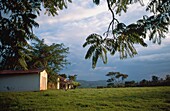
<point x="20" y="82"/>
<point x="58" y="83"/>
<point x="43" y="80"/>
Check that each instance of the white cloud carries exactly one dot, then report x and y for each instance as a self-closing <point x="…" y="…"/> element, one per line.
<point x="153" y="57"/>
<point x="134" y="13"/>
<point x="74" y="32"/>
<point x="105" y="68"/>
<point x="76" y="11"/>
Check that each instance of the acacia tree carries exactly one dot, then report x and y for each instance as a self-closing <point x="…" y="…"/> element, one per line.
<point x="17" y="20"/>
<point x="167" y="78"/>
<point x="155" y="78"/>
<point x="72" y="77"/>
<point x="123" y="37"/>
<point x="114" y="81"/>
<point x="63" y="75"/>
<point x="122" y="76"/>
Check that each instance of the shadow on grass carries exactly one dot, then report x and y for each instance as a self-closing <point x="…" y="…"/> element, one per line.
<point x="9" y="103"/>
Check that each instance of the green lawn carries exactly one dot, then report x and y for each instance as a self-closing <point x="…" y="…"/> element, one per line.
<point x="113" y="99"/>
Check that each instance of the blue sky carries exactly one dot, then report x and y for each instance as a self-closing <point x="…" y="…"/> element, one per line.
<point x="82" y="18"/>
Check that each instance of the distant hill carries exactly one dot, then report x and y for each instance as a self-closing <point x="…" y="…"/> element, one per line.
<point x="92" y="84"/>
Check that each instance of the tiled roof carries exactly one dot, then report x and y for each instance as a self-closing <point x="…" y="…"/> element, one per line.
<point x="35" y="71"/>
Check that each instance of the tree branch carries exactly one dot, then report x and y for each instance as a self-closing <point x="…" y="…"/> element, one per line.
<point x="113" y="19"/>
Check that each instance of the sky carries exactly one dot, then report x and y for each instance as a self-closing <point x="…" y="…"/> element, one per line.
<point x="82" y="18"/>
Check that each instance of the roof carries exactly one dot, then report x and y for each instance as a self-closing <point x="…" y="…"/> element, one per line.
<point x="35" y="71"/>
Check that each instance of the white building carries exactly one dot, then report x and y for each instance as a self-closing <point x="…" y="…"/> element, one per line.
<point x="63" y="83"/>
<point x="29" y="80"/>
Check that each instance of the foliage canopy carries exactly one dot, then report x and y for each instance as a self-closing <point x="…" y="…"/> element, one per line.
<point x="50" y="57"/>
<point x="17" y="20"/>
<point x="121" y="38"/>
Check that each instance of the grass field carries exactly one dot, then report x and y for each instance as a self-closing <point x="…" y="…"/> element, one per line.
<point x="113" y="99"/>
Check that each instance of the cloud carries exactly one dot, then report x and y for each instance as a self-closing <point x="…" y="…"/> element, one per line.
<point x="105" y="68"/>
<point x="134" y="13"/>
<point x="154" y="57"/>
<point x="76" y="11"/>
<point x="82" y="18"/>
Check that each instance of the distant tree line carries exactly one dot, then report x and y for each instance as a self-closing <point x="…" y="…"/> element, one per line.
<point x="117" y="79"/>
<point x="156" y="81"/>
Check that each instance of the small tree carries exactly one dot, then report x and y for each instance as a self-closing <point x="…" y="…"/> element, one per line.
<point x="114" y="81"/>
<point x="51" y="57"/>
<point x="155" y="79"/>
<point x="75" y="84"/>
<point x="111" y="81"/>
<point x="73" y="78"/>
<point x="167" y="77"/>
<point x="143" y="82"/>
<point x="124" y="76"/>
<point x="130" y="84"/>
<point x="63" y="75"/>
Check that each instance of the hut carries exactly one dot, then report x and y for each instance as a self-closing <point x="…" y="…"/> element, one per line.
<point x="23" y="80"/>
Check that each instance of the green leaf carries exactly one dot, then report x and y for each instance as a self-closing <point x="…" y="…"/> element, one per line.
<point x="90" y="52"/>
<point x="97" y="2"/>
<point x="95" y="58"/>
<point x="104" y="55"/>
<point x="33" y="16"/>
